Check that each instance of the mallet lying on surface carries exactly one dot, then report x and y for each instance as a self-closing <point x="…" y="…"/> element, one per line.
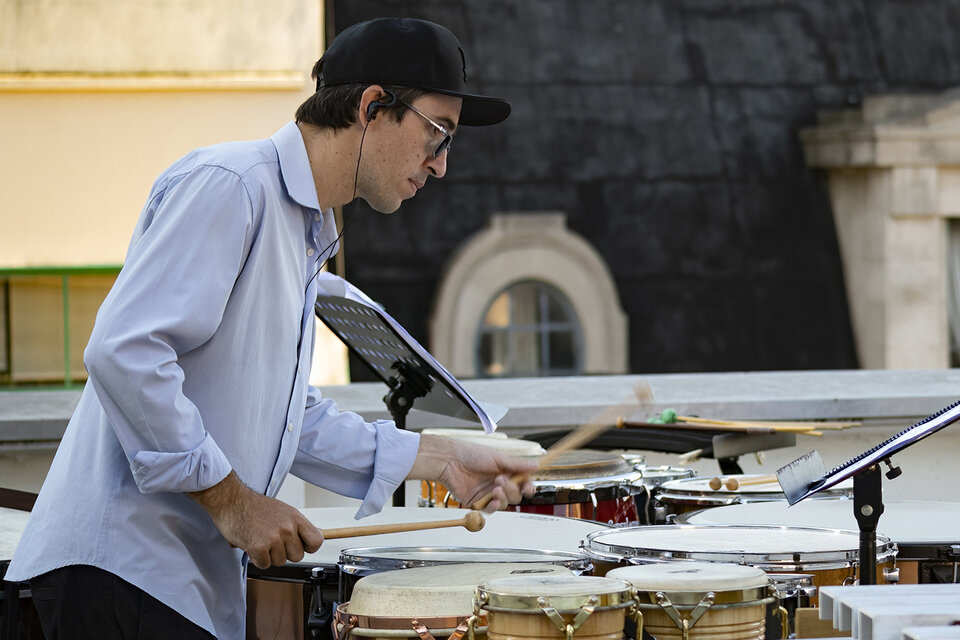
<point x="473" y="521"/>
<point x="733" y="484"/>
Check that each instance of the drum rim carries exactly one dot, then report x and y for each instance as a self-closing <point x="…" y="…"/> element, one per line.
<point x="886" y="551"/>
<point x="357" y="559"/>
<point x="489" y="599"/>
<point x="442" y="625"/>
<point x="570" y="490"/>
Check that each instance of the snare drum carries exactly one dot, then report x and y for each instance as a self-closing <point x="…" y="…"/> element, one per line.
<point x="927" y="534"/>
<point x="830" y="555"/>
<point x="700" y="600"/>
<point x="435" y="600"/>
<point x="434" y="494"/>
<point x="582" y="607"/>
<point x="586" y="484"/>
<point x="677" y="497"/>
<point x="282" y="601"/>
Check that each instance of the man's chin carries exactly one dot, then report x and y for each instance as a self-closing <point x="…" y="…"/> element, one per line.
<point x="384" y="207"/>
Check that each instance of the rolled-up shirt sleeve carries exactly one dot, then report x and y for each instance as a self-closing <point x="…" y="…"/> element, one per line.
<point x="168" y="300"/>
<point x="340" y="451"/>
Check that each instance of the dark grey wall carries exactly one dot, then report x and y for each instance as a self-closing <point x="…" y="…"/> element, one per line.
<point x="667" y="131"/>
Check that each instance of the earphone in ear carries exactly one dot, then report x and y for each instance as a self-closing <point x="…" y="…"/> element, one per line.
<point x="373" y="106"/>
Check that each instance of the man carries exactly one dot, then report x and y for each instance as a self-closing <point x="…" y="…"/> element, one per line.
<point x="197" y="404"/>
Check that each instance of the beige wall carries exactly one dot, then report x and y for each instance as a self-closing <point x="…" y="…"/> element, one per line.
<point x="173" y="35"/>
<point x="98" y="97"/>
<point x="76" y="166"/>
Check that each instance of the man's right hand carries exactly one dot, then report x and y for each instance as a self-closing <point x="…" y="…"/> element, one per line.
<point x="270" y="531"/>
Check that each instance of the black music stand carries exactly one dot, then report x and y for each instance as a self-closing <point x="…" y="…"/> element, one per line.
<point x="411" y="373"/>
<point x="807" y="475"/>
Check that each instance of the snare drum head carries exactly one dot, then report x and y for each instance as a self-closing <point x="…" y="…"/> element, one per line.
<point x="502" y="529"/>
<point x="366" y="560"/>
<point x="901" y="520"/>
<point x="495" y="440"/>
<point x="459" y="434"/>
<point x="765" y="547"/>
<point x="691" y="576"/>
<point x="445" y="590"/>
<point x="583" y="463"/>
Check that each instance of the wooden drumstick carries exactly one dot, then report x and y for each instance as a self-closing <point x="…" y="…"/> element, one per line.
<point x="473" y="521"/>
<point x="580" y="436"/>
<point x="758" y="480"/>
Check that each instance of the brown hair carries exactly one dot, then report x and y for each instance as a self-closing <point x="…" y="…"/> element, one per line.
<point x="336" y="107"/>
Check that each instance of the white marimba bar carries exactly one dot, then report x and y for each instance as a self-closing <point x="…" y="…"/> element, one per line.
<point x="881" y="612"/>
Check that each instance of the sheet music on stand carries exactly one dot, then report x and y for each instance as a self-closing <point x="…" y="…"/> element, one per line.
<point x="807" y="475"/>
<point x="390" y="351"/>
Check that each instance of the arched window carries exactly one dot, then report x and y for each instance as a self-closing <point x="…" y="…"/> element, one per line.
<point x="529" y="329"/>
<point x="528" y="297"/>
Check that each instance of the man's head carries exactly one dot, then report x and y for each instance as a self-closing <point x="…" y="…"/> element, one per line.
<point x="407" y="56"/>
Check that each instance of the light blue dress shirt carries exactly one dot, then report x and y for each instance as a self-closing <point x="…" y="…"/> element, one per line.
<point x="199" y="364"/>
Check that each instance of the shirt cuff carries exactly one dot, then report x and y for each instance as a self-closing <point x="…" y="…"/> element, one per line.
<point x="178" y="472"/>
<point x="396" y="453"/>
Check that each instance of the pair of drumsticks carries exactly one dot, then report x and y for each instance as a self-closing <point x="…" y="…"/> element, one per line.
<point x="474" y="520"/>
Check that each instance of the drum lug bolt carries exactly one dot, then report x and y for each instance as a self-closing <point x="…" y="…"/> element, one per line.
<point x="593" y="600"/>
<point x="541" y="601"/>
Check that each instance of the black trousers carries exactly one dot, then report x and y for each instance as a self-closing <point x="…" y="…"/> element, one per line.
<point x="82" y="602"/>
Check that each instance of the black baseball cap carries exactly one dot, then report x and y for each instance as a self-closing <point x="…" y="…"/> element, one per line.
<point x="408" y="52"/>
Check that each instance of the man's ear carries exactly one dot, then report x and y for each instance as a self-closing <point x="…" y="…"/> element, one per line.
<point x="378" y="98"/>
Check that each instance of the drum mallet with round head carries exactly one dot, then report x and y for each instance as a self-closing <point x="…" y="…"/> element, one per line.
<point x="473" y="521"/>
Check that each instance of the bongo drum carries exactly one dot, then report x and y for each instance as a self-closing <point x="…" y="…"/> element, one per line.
<point x="829" y="555"/>
<point x="357" y="564"/>
<point x="283" y="601"/>
<point x="412" y="603"/>
<point x="434" y="494"/>
<point x="677" y="497"/>
<point x="694" y="600"/>
<point x="586" y="484"/>
<point x="541" y="607"/>
<point x="925" y="554"/>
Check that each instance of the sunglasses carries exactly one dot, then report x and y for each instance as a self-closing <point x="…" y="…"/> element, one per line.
<point x="443" y="145"/>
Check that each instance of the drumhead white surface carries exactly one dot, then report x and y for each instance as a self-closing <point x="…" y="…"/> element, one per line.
<point x="554" y="585"/>
<point x="734" y="540"/>
<point x="12" y="523"/>
<point x="444" y="590"/>
<point x="905" y="521"/>
<point x="503" y="530"/>
<point x="463" y="433"/>
<point x="495" y="440"/>
<point x="691" y="576"/>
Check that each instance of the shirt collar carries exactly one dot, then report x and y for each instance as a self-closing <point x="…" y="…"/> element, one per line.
<point x="295" y="166"/>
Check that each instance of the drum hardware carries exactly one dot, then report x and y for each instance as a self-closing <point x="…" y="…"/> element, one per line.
<point x="556" y="607"/>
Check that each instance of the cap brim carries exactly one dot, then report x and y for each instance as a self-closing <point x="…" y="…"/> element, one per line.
<point x="480" y="111"/>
